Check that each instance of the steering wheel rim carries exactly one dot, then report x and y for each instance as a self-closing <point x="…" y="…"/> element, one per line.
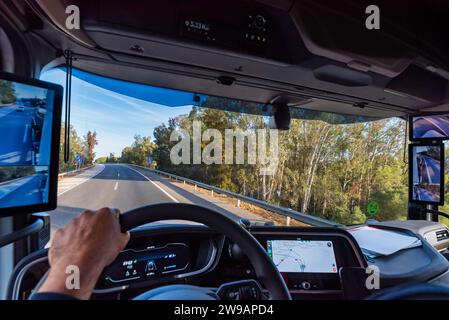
<point x="264" y="267"/>
<point x="412" y="291"/>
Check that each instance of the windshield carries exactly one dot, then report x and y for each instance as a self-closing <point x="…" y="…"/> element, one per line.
<point x="136" y="147"/>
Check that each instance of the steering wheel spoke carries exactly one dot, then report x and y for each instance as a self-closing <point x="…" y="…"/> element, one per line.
<point x="241" y="290"/>
<point x="264" y="267"/>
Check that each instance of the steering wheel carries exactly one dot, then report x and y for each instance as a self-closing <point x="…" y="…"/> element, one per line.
<point x="422" y="291"/>
<point x="264" y="267"/>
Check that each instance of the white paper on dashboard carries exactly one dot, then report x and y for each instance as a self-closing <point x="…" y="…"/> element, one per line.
<point x="378" y="242"/>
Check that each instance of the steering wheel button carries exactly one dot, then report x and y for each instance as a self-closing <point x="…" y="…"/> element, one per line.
<point x="305" y="285"/>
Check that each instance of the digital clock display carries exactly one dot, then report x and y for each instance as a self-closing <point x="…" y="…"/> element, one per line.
<point x="197" y="25"/>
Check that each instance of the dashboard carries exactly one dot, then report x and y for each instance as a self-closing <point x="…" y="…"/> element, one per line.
<point x="316" y="263"/>
<point x="309" y="260"/>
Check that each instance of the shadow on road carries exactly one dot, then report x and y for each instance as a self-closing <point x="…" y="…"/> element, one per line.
<point x="119" y="173"/>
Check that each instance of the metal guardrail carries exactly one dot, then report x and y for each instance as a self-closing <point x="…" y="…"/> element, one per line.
<point x="289" y="213"/>
<point x="68" y="173"/>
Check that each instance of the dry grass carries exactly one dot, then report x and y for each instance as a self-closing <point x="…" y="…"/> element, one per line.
<point x="264" y="214"/>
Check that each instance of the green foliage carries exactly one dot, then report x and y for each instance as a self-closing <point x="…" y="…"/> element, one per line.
<point x="112" y="158"/>
<point x="12" y="172"/>
<point x="81" y="146"/>
<point x="7" y="92"/>
<point x="77" y="146"/>
<point x="90" y="143"/>
<point x="102" y="160"/>
<point x="332" y="171"/>
<point x="138" y="152"/>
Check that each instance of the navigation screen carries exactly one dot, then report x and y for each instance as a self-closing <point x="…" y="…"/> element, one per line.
<point x="302" y="256"/>
<point x="26" y="119"/>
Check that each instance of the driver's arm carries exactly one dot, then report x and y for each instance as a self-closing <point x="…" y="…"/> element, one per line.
<point x="88" y="243"/>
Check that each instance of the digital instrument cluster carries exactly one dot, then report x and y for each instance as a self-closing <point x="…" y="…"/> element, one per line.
<point x="153" y="262"/>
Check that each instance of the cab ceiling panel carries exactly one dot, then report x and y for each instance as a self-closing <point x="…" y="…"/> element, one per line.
<point x="241" y="37"/>
<point x="239" y="25"/>
<point x="312" y="48"/>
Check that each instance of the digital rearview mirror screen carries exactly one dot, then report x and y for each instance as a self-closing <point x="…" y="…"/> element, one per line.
<point x="427" y="173"/>
<point x="434" y="127"/>
<point x="26" y="122"/>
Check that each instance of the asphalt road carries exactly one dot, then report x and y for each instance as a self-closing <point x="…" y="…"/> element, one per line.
<point x="23" y="191"/>
<point x="425" y="195"/>
<point x="15" y="123"/>
<point x="117" y="186"/>
<point x="430" y="169"/>
<point x="431" y="126"/>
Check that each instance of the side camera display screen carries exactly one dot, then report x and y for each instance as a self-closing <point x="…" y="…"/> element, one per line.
<point x="26" y="117"/>
<point x="427" y="173"/>
<point x="430" y="127"/>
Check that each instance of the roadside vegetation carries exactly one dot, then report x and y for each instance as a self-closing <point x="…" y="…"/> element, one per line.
<point x="81" y="150"/>
<point x="327" y="170"/>
<point x="331" y="171"/>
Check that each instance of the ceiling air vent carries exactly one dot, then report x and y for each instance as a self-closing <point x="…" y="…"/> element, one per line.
<point x="442" y="235"/>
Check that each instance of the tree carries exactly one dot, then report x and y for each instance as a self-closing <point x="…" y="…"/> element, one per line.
<point x="91" y="142"/>
<point x="332" y="171"/>
<point x="139" y="151"/>
<point x="77" y="146"/>
<point x="7" y="92"/>
<point x="112" y="158"/>
<point x="102" y="160"/>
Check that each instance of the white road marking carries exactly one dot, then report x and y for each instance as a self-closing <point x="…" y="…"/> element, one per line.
<point x="116" y="186"/>
<point x="157" y="186"/>
<point x="5" y="110"/>
<point x="80" y="179"/>
<point x="432" y="121"/>
<point x="25" y="134"/>
<point x="427" y="170"/>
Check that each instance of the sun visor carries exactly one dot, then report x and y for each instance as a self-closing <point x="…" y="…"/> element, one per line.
<point x="300" y="107"/>
<point x="162" y="96"/>
<point x="325" y="33"/>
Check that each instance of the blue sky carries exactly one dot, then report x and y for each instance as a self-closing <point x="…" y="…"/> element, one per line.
<point x="25" y="91"/>
<point x="115" y="117"/>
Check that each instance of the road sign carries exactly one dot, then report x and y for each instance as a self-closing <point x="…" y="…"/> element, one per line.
<point x="78" y="158"/>
<point x="149" y="160"/>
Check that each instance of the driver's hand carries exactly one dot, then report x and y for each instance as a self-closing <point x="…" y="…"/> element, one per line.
<point x="88" y="243"/>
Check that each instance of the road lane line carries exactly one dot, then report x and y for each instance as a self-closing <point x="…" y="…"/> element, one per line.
<point x="81" y="181"/>
<point x="25" y="134"/>
<point x="116" y="186"/>
<point x="157" y="186"/>
<point x="427" y="170"/>
<point x="432" y="121"/>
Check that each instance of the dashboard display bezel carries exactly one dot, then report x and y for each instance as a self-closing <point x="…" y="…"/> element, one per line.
<point x="342" y="244"/>
<point x="106" y="283"/>
<point x="271" y="253"/>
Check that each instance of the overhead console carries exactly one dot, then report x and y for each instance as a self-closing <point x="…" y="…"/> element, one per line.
<point x="316" y="49"/>
<point x="240" y="26"/>
<point x="375" y="51"/>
